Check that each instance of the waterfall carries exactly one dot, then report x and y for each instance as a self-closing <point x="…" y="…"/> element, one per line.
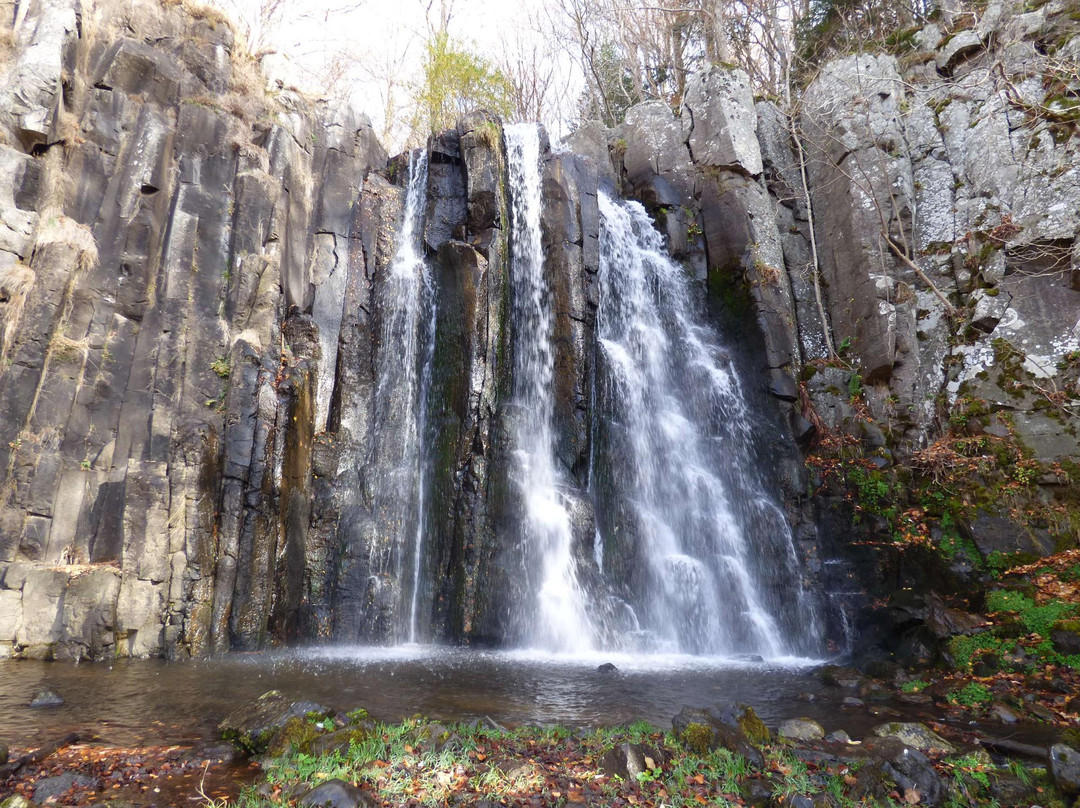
<point x="703" y="553"/>
<point x="402" y="361"/>
<point x="551" y="611"/>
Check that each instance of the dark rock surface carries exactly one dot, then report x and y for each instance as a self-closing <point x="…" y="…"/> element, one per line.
<point x="335" y="794"/>
<point x="1065" y="768"/>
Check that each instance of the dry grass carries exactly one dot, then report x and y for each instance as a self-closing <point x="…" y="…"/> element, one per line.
<point x="65" y="349"/>
<point x="15" y="284"/>
<point x="60" y="229"/>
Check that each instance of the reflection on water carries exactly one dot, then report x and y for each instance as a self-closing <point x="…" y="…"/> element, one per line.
<point x="136" y="702"/>
<point x="131" y="702"/>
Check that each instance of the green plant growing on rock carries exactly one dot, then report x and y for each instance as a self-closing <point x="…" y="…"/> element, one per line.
<point x="972" y="694"/>
<point x="221" y="366"/>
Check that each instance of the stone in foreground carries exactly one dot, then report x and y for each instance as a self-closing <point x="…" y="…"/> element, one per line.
<point x="335" y="794"/>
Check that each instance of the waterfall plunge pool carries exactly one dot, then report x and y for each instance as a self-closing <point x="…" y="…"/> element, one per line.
<point x="143" y="702"/>
<point x="147" y="701"/>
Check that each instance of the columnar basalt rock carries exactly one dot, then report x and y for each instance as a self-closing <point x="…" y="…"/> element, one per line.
<point x="193" y="294"/>
<point x="161" y="242"/>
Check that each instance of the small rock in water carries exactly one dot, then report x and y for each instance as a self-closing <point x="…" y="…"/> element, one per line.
<point x="607" y="667"/>
<point x="801" y="729"/>
<point x="852" y="702"/>
<point x="3" y="754"/>
<point x="335" y="794"/>
<point x="838" y="737"/>
<point x="46" y="698"/>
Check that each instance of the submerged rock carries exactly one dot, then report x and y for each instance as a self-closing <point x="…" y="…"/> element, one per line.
<point x="47" y="698"/>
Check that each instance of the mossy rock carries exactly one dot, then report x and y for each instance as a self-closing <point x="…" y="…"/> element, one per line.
<point x="727" y="725"/>
<point x="251" y="728"/>
<point x="753" y="727"/>
<point x="1070" y="737"/>
<point x="340" y="741"/>
<point x="697" y="738"/>
<point x="296" y="736"/>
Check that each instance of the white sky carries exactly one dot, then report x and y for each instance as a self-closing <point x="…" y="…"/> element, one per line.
<point x="385" y="40"/>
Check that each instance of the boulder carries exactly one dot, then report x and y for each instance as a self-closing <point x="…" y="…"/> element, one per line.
<point x="800" y="729"/>
<point x="917" y="736"/>
<point x="335" y="794"/>
<point x="607" y="667"/>
<point x="720" y="121"/>
<point x="253" y="727"/>
<point x="915" y="776"/>
<point x="1065" y="768"/>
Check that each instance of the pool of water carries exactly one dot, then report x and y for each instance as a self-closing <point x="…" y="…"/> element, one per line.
<point x="139" y="702"/>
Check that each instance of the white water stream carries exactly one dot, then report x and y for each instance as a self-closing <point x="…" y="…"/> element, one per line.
<point x="557" y="619"/>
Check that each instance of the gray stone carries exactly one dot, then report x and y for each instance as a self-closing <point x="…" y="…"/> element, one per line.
<point x="628" y="760"/>
<point x="335" y="794"/>
<point x="46" y="698"/>
<point x="800" y="729"/>
<point x="734" y="727"/>
<point x="1065" y="768"/>
<point x="49" y="788"/>
<point x="960" y="46"/>
<point x="719" y="121"/>
<point x="917" y="736"/>
<point x="915" y="778"/>
<point x="989" y="308"/>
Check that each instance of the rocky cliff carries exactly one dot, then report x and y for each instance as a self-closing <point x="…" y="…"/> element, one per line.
<point x="193" y="282"/>
<point x="905" y="235"/>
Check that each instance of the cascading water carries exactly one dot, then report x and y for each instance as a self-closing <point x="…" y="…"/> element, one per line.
<point x="701" y="552"/>
<point x="398" y="451"/>
<point x="554" y="613"/>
